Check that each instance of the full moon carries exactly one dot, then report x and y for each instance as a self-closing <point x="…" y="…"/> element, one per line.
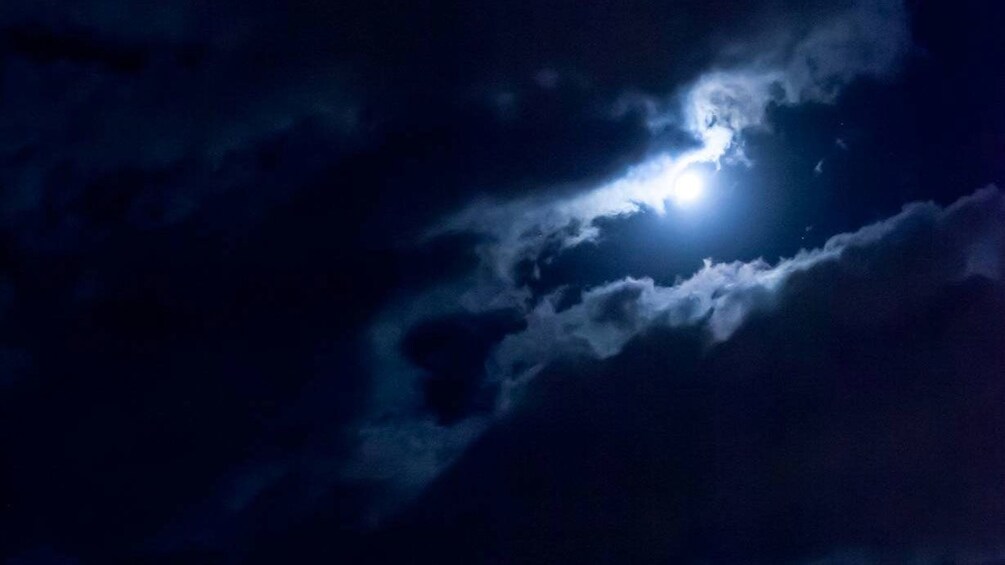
<point x="688" y="188"/>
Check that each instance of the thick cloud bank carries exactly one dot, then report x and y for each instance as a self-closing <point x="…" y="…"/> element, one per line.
<point x="858" y="281"/>
<point x="808" y="56"/>
<point x="842" y="406"/>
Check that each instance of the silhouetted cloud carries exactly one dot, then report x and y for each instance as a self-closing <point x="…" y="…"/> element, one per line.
<point x="810" y="59"/>
<point x="282" y="280"/>
<point x="879" y="272"/>
<point x="840" y="405"/>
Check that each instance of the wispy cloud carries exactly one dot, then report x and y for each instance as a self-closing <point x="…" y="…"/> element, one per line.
<point x="809" y="61"/>
<point x="783" y="66"/>
<point x="885" y="267"/>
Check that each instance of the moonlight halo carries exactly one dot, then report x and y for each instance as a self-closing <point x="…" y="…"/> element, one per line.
<point x="688" y="188"/>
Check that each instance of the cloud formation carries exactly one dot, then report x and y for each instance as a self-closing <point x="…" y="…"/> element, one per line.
<point x="166" y="106"/>
<point x="865" y="38"/>
<point x="866" y="277"/>
<point x="841" y="405"/>
<point x="213" y="286"/>
<point x="907" y="256"/>
<point x="809" y="61"/>
<point x="786" y="63"/>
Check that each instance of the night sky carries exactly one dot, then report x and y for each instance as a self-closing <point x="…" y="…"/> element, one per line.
<point x="553" y="281"/>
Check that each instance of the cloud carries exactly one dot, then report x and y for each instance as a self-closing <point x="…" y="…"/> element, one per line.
<point x="924" y="244"/>
<point x="785" y="62"/>
<point x="92" y="92"/>
<point x="452" y="351"/>
<point x="144" y="112"/>
<point x="863" y="279"/>
<point x="788" y="64"/>
<point x="840" y="403"/>
<point x="868" y="38"/>
<point x="200" y="349"/>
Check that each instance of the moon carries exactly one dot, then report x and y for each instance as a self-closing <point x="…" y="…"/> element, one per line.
<point x="688" y="188"/>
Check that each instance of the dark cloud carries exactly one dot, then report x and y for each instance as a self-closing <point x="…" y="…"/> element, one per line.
<point x="618" y="307"/>
<point x="885" y="270"/>
<point x="453" y="351"/>
<point x="811" y="60"/>
<point x="269" y="270"/>
<point x="855" y="415"/>
<point x="36" y="44"/>
<point x="152" y="116"/>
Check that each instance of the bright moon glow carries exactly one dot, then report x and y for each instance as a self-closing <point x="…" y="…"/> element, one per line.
<point x="688" y="188"/>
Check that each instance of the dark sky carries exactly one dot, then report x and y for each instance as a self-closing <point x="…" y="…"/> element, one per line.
<point x="411" y="282"/>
